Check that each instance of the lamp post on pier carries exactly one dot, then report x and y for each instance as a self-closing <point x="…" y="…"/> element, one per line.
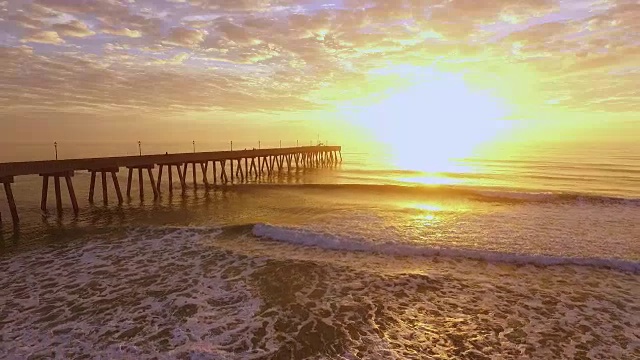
<point x="194" y="145"/>
<point x="55" y="145"/>
<point x="139" y="147"/>
<point x="232" y="145"/>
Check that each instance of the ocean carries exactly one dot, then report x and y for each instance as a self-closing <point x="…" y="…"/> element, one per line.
<point x="526" y="255"/>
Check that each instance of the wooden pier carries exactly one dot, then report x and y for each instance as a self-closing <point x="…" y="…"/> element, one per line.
<point x="224" y="166"/>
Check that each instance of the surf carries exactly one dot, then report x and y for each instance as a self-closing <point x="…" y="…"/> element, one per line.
<point x="328" y="241"/>
<point x="458" y="192"/>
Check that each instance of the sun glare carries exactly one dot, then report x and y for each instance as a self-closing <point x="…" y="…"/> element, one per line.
<point x="433" y="120"/>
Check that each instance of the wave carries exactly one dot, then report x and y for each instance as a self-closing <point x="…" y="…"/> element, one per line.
<point x="467" y="192"/>
<point x="531" y="163"/>
<point x="345" y="243"/>
<point x="386" y="172"/>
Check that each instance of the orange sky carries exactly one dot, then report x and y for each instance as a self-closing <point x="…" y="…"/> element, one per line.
<point x="200" y="69"/>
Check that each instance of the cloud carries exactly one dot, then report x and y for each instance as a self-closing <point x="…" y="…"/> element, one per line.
<point x="235" y="33"/>
<point x="126" y="32"/>
<point x="40" y="12"/>
<point x="26" y="21"/>
<point x="43" y="37"/>
<point x="180" y="36"/>
<point x="90" y="86"/>
<point x="261" y="55"/>
<point x="483" y="11"/>
<point x="74" y="28"/>
<point x="178" y="59"/>
<point x="95" y="7"/>
<point x="110" y="14"/>
<point x="241" y="5"/>
<point x="540" y="33"/>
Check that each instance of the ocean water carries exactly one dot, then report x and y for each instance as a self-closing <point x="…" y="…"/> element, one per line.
<point x="495" y="257"/>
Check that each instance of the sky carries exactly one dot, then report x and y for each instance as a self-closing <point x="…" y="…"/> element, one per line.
<point x="81" y="70"/>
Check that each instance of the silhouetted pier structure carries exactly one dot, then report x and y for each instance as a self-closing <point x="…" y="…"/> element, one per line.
<point x="226" y="166"/>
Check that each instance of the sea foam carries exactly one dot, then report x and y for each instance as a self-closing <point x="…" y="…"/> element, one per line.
<point x="156" y="293"/>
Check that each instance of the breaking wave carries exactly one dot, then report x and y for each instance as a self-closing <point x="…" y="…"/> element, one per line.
<point x="470" y="193"/>
<point x="345" y="243"/>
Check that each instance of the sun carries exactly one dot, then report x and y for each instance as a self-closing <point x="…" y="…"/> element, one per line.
<point x="433" y="120"/>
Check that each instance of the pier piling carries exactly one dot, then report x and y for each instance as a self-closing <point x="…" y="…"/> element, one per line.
<point x="170" y="167"/>
<point x="105" y="192"/>
<point x="72" y="194"/>
<point x="45" y="190"/>
<point x="116" y="184"/>
<point x="215" y="181"/>
<point x="140" y="184"/>
<point x="129" y="178"/>
<point x="140" y="169"/>
<point x="154" y="187"/>
<point x="67" y="175"/>
<point x="6" y="182"/>
<point x="204" y="167"/>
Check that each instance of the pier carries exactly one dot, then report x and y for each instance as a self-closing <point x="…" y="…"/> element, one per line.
<point x="225" y="167"/>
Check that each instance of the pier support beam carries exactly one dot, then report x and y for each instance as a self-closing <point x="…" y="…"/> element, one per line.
<point x="6" y="182"/>
<point x="140" y="169"/>
<point x="184" y="173"/>
<point x="193" y="175"/>
<point x="215" y="179"/>
<point x="204" y="166"/>
<point x="154" y="186"/>
<point x="67" y="175"/>
<point x="103" y="176"/>
<point x="272" y="165"/>
<point x="92" y="187"/>
<point x="56" y="183"/>
<point x="264" y="162"/>
<point x="105" y="192"/>
<point x="140" y="183"/>
<point x="45" y="190"/>
<point x="116" y="185"/>
<point x="239" y="171"/>
<point x="252" y="168"/>
<point x="289" y="158"/>
<point x="280" y="161"/>
<point x="223" y="172"/>
<point x="129" y="178"/>
<point x="170" y="167"/>
<point x="231" y="165"/>
<point x="72" y="194"/>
